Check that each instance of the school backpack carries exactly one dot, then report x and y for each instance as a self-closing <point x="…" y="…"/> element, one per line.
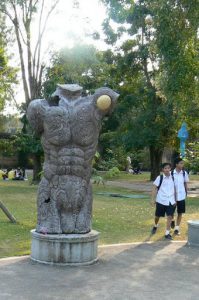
<point x="182" y="171"/>
<point x="161" y="179"/>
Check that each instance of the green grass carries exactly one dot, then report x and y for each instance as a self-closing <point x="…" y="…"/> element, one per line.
<point x="145" y="176"/>
<point x="130" y="220"/>
<point x="130" y="177"/>
<point x="118" y="220"/>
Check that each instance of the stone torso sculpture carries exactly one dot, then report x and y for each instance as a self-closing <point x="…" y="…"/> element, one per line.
<point x="69" y="134"/>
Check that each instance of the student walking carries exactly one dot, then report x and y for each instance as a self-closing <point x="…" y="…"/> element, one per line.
<point x="181" y="179"/>
<point x="163" y="195"/>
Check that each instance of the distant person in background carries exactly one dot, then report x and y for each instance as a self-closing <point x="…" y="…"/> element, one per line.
<point x="5" y="175"/>
<point x="137" y="170"/>
<point x="11" y="174"/>
<point x="25" y="177"/>
<point x="128" y="167"/>
<point x="18" y="174"/>
<point x="1" y="174"/>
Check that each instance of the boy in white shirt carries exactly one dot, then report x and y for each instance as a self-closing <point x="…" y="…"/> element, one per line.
<point x="181" y="179"/>
<point x="163" y="195"/>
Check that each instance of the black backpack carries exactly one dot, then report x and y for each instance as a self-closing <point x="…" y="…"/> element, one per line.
<point x="161" y="179"/>
<point x="182" y="171"/>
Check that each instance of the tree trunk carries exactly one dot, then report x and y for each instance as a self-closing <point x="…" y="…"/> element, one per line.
<point x="25" y="86"/>
<point x="155" y="159"/>
<point x="37" y="168"/>
<point x="7" y="213"/>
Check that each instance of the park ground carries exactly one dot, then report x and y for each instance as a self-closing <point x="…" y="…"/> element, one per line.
<point x="146" y="271"/>
<point x="119" y="220"/>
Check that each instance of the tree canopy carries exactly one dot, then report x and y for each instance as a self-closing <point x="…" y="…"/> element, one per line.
<point x="22" y="14"/>
<point x="156" y="64"/>
<point x="7" y="73"/>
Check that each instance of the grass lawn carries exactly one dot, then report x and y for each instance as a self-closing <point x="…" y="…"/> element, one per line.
<point x="145" y="176"/>
<point x="119" y="220"/>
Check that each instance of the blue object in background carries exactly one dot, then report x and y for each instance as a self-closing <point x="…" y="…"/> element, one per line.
<point x="183" y="136"/>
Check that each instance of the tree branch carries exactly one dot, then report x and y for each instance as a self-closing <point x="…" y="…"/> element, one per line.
<point x="45" y="23"/>
<point x="13" y="98"/>
<point x="16" y="26"/>
<point x="8" y="14"/>
<point x="35" y="52"/>
<point x="38" y="45"/>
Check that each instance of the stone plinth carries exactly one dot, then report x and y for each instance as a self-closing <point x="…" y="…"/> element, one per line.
<point x="65" y="249"/>
<point x="193" y="233"/>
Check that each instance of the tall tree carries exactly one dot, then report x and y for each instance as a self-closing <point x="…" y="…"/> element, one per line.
<point x="21" y="14"/>
<point x="152" y="111"/>
<point x="177" y="24"/>
<point x="7" y="73"/>
<point x="82" y="64"/>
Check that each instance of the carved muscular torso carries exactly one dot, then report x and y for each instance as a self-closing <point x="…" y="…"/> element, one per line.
<point x="69" y="136"/>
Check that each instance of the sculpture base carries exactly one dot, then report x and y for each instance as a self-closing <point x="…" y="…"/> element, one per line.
<point x="193" y="233"/>
<point x="65" y="249"/>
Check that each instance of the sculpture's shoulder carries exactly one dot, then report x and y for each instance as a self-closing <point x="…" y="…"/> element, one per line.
<point x="36" y="112"/>
<point x="105" y="100"/>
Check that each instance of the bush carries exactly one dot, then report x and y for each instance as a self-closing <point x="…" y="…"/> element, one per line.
<point x="97" y="180"/>
<point x="192" y="157"/>
<point x="113" y="172"/>
<point x="111" y="158"/>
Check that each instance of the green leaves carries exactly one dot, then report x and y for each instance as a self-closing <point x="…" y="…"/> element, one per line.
<point x="82" y="64"/>
<point x="158" y="64"/>
<point x="177" y="42"/>
<point x="157" y="69"/>
<point x="7" y="73"/>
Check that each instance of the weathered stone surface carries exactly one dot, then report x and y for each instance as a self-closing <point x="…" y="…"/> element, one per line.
<point x="65" y="249"/>
<point x="69" y="126"/>
<point x="193" y="233"/>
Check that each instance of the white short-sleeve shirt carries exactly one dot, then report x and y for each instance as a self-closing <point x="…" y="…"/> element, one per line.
<point x="166" y="193"/>
<point x="179" y="180"/>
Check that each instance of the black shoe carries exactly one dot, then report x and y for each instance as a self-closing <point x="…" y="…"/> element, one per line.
<point x="176" y="232"/>
<point x="172" y="224"/>
<point x="154" y="229"/>
<point x="168" y="237"/>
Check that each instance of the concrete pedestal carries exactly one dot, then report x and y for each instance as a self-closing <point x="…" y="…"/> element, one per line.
<point x="193" y="233"/>
<point x="65" y="249"/>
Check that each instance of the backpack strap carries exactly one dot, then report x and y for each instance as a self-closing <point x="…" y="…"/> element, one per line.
<point x="183" y="177"/>
<point x="175" y="192"/>
<point x="161" y="179"/>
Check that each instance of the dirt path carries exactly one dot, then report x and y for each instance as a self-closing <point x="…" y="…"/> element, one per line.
<point x="146" y="186"/>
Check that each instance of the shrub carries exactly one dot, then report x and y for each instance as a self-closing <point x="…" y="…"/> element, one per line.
<point x="113" y="172"/>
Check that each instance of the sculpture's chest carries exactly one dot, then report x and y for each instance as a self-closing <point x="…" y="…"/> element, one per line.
<point x="75" y="124"/>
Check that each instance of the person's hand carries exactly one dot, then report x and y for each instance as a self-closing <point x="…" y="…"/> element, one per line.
<point x="175" y="204"/>
<point x="152" y="202"/>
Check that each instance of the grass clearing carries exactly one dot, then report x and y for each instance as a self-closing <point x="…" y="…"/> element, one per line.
<point x="119" y="220"/>
<point x="145" y="176"/>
